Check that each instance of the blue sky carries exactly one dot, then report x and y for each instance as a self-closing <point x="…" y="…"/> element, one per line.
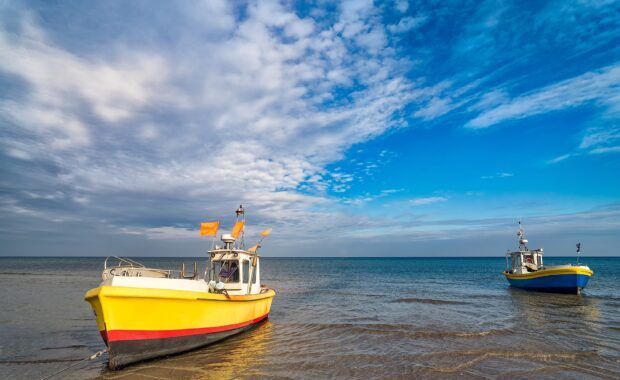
<point x="360" y="128"/>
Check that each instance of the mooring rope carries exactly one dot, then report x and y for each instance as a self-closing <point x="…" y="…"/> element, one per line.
<point x="91" y="357"/>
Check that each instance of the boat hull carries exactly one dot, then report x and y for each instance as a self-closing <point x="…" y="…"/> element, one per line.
<point x="125" y="352"/>
<point x="565" y="280"/>
<point x="140" y="323"/>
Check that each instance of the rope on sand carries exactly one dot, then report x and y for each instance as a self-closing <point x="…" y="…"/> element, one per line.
<point x="91" y="357"/>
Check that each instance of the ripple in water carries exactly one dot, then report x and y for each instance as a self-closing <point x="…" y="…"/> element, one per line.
<point x="340" y="318"/>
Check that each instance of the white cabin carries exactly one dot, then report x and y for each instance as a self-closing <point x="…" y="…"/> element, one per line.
<point x="524" y="260"/>
<point x="238" y="270"/>
<point x="231" y="270"/>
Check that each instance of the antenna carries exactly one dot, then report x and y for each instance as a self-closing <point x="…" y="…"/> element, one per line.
<point x="241" y="217"/>
<point x="522" y="239"/>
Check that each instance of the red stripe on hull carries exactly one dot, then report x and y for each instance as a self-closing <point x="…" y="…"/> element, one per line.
<point x="104" y="335"/>
<point x="119" y="335"/>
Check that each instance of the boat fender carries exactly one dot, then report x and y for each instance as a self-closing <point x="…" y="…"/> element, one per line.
<point x="211" y="285"/>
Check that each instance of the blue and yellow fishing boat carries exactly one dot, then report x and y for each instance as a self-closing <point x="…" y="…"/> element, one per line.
<point x="525" y="270"/>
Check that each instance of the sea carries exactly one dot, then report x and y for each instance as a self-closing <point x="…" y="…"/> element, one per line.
<point x="336" y="318"/>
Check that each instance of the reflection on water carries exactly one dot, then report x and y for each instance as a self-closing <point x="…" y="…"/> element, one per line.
<point x="571" y="311"/>
<point x="566" y="331"/>
<point x="346" y="318"/>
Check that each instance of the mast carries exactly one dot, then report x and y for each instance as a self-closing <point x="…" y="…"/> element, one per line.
<point x="522" y="240"/>
<point x="241" y="218"/>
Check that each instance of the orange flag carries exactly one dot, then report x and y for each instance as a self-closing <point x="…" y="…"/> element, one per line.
<point x="209" y="228"/>
<point x="266" y="232"/>
<point x="238" y="227"/>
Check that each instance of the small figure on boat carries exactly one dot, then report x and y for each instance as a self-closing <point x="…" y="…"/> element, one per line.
<point x="525" y="270"/>
<point x="144" y="313"/>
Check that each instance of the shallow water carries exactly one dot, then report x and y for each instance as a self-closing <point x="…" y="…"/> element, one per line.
<point x="364" y="318"/>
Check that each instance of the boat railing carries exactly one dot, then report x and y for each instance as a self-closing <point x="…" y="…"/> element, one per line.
<point x="121" y="261"/>
<point x="130" y="268"/>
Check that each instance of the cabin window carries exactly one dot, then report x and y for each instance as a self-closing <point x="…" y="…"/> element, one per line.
<point x="228" y="270"/>
<point x="246" y="273"/>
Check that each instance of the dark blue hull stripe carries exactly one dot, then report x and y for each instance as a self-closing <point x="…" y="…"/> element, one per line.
<point x="564" y="283"/>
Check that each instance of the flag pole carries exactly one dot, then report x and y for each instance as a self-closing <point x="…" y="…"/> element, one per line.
<point x="209" y="229"/>
<point x="252" y="267"/>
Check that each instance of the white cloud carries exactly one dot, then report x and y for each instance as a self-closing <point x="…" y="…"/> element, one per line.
<point x="497" y="175"/>
<point x="489" y="100"/>
<point x="19" y="154"/>
<point x="248" y="117"/>
<point x="559" y="158"/>
<point x="598" y="86"/>
<point x="601" y="138"/>
<point x="363" y="199"/>
<point x="374" y="40"/>
<point x="607" y="149"/>
<point x="407" y="24"/>
<point x="149" y="131"/>
<point x="113" y="89"/>
<point x="161" y="233"/>
<point x="402" y="5"/>
<point x="434" y="108"/>
<point x="426" y="201"/>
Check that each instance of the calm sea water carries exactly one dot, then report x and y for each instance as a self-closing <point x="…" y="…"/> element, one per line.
<point x="344" y="318"/>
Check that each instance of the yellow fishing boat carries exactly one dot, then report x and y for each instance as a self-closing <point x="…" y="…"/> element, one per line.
<point x="143" y="313"/>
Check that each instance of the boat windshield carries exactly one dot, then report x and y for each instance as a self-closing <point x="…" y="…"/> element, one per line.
<point x="228" y="270"/>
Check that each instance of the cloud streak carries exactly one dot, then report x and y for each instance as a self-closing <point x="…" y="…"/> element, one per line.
<point x="426" y="201"/>
<point x="596" y="86"/>
<point x="498" y="175"/>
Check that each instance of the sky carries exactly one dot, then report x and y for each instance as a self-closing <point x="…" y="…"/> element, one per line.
<point x="353" y="128"/>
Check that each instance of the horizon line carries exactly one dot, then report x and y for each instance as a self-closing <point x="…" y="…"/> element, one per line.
<point x="299" y="257"/>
